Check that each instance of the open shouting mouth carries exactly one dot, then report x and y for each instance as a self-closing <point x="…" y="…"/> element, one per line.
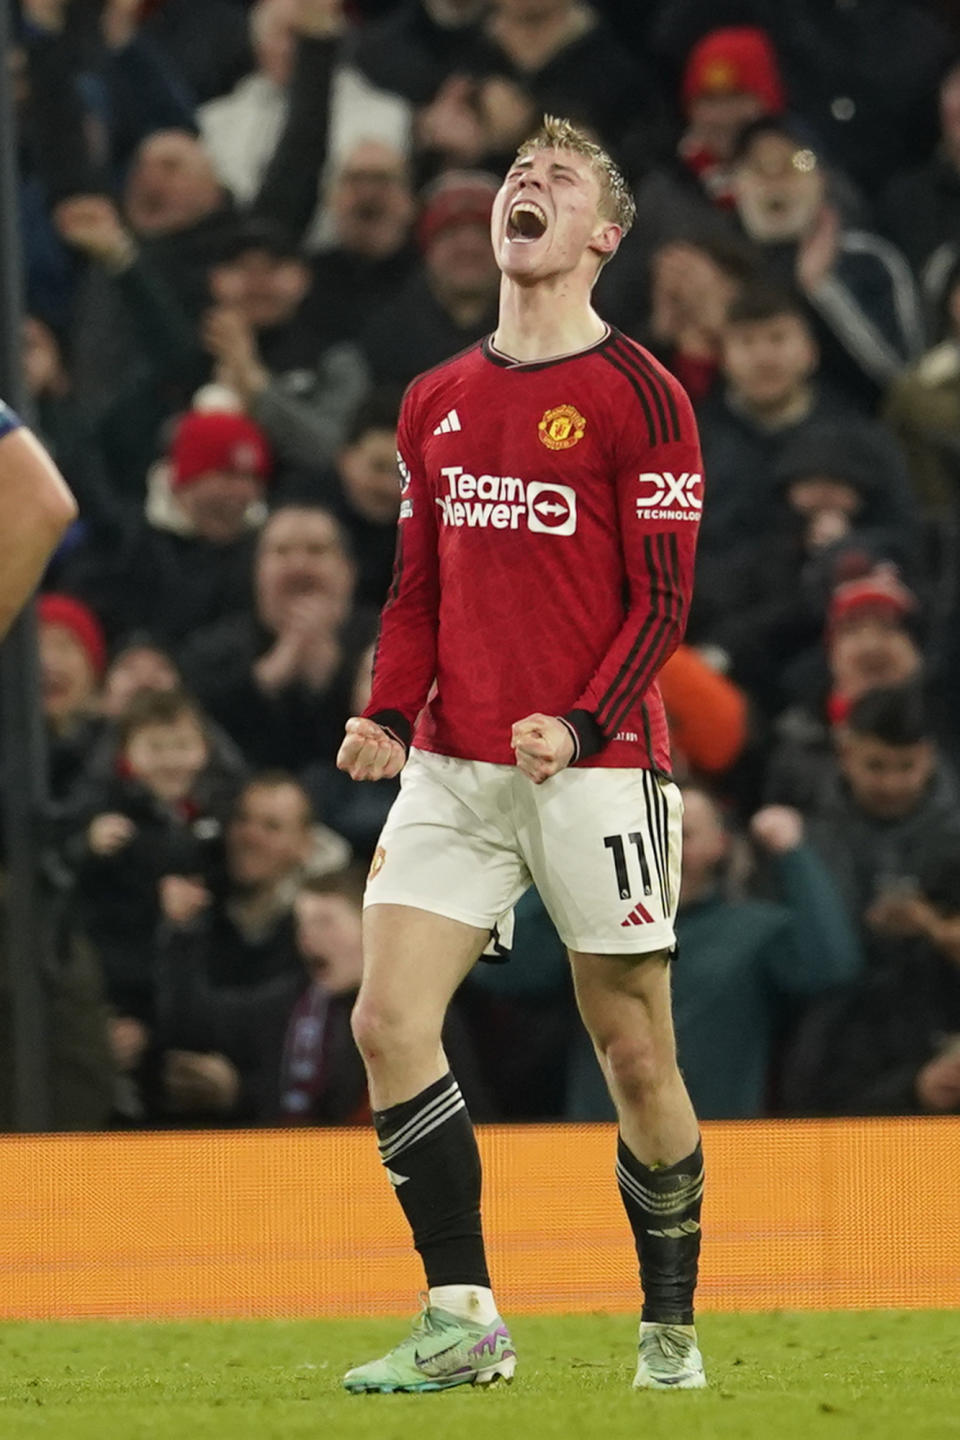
<point x="526" y="221"/>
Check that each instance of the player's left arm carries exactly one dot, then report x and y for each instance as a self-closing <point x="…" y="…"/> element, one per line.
<point x="36" y="507"/>
<point x="659" y="499"/>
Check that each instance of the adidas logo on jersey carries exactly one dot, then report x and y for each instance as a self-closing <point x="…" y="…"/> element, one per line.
<point x="505" y="502"/>
<point x="449" y="423"/>
<point x="640" y="915"/>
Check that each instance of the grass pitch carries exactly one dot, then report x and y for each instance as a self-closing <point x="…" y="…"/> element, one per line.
<point x="772" y="1377"/>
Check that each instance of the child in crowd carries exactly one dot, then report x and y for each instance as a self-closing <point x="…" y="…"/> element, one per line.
<point x="138" y="825"/>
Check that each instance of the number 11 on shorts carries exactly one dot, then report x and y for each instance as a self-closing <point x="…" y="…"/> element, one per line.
<point x="615" y="843"/>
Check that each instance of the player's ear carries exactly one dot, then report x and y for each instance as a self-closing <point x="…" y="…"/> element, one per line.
<point x="606" y="238"/>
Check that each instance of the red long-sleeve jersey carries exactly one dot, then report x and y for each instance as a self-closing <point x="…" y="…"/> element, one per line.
<point x="545" y="553"/>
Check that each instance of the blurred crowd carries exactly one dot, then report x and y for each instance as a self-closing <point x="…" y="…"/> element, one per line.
<point x="245" y="227"/>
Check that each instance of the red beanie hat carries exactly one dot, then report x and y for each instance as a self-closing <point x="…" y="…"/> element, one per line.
<point x="207" y="440"/>
<point x="735" y="60"/>
<point x="881" y="591"/>
<point x="461" y="197"/>
<point x="83" y="625"/>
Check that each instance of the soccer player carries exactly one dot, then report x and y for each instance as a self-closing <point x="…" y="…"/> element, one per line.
<point x="551" y="489"/>
<point x="35" y="509"/>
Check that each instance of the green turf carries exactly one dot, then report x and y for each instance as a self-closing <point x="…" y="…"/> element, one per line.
<point x="830" y="1377"/>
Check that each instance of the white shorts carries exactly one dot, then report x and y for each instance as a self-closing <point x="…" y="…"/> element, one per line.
<point x="465" y="839"/>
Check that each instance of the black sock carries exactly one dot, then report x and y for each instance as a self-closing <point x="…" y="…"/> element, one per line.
<point x="663" y="1207"/>
<point x="430" y="1153"/>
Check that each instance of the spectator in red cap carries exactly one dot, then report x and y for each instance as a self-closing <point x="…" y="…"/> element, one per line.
<point x="189" y="561"/>
<point x="732" y="77"/>
<point x="871" y="640"/>
<point x="73" y="657"/>
<point x="451" y="302"/>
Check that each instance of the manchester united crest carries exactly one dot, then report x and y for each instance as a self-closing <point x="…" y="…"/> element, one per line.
<point x="561" y="428"/>
<point x="376" y="865"/>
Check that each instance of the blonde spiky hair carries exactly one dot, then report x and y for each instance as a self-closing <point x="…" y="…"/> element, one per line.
<point x="616" y="201"/>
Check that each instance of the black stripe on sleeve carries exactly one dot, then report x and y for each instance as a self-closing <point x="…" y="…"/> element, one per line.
<point x="640" y="392"/>
<point x="652" y="637"/>
<point x="641" y="638"/>
<point x="671" y="608"/>
<point x="656" y="387"/>
<point x="642" y="363"/>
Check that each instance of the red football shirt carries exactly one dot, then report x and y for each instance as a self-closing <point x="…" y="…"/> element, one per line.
<point x="545" y="552"/>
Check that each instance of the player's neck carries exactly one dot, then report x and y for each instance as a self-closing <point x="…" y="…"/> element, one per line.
<point x="538" y="323"/>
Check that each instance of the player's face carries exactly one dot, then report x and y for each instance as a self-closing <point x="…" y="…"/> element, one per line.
<point x="887" y="781"/>
<point x="329" y="937"/>
<point x="268" y="837"/>
<point x="546" y="219"/>
<point x="167" y="757"/>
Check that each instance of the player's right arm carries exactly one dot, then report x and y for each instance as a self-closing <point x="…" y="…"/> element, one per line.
<point x="36" y="508"/>
<point x="376" y="742"/>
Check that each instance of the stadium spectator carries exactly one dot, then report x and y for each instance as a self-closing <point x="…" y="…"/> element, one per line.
<point x="857" y="286"/>
<point x="452" y="300"/>
<point x="357" y="812"/>
<point x="840" y="508"/>
<point x="744" y="967"/>
<point x="922" y="408"/>
<point x="371" y="254"/>
<point x="240" y="130"/>
<point x="234" y="932"/>
<point x="707" y="713"/>
<point x="692" y="285"/>
<point x="771" y="392"/>
<point x="889" y="803"/>
<point x="209" y="44"/>
<point x="278" y="676"/>
<point x="364" y="492"/>
<point x="920" y="208"/>
<point x="66" y="434"/>
<point x="890" y="1045"/>
<point x="146" y="819"/>
<point x="414" y="50"/>
<point x="189" y="560"/>
<point x="73" y="656"/>
<point x="262" y="340"/>
<point x="871" y="641"/>
<point x="562" y="55"/>
<point x="146" y="268"/>
<point x="730" y="78"/>
<point x="280" y="1051"/>
<point x="864" y="76"/>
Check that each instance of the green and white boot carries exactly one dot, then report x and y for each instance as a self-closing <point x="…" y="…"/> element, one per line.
<point x="442" y="1351"/>
<point x="668" y="1358"/>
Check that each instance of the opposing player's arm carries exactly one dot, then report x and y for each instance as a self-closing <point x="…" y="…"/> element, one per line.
<point x="36" y="508"/>
<point x="376" y="743"/>
<point x="660" y="495"/>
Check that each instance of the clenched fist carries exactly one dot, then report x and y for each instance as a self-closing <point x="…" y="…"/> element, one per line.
<point x="369" y="753"/>
<point x="543" y="746"/>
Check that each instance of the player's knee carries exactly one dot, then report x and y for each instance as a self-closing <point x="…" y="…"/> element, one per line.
<point x="636" y="1064"/>
<point x="385" y="1031"/>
